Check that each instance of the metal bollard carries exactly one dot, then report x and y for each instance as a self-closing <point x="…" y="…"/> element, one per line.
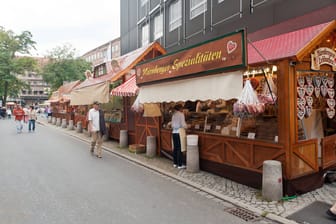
<point x="151" y="146"/>
<point x="79" y="128"/>
<point x="71" y="125"/>
<point x="192" y="154"/>
<point x="58" y="121"/>
<point x="64" y="123"/>
<point x="272" y="180"/>
<point x="123" y="140"/>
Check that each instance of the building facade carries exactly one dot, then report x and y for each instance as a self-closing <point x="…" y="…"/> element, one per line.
<point x="177" y="24"/>
<point x="101" y="55"/>
<point x="39" y="89"/>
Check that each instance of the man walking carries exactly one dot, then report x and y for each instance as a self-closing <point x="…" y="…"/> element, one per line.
<point x="97" y="128"/>
<point x="19" y="116"/>
<point x="31" y="119"/>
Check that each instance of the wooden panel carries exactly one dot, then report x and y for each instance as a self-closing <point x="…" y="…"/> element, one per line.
<point x="248" y="154"/>
<point x="328" y="151"/>
<point x="147" y="126"/>
<point x="166" y="140"/>
<point x="304" y="159"/>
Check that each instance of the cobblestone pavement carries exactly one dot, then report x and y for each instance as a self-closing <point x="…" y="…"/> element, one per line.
<point x="248" y="199"/>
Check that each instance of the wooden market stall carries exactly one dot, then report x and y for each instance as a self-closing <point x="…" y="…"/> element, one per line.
<point x="60" y="101"/>
<point x="117" y="108"/>
<point x="293" y="121"/>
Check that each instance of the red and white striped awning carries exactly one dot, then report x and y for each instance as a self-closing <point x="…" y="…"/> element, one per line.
<point x="128" y="88"/>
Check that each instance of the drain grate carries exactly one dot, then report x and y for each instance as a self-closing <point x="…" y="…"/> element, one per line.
<point x="242" y="213"/>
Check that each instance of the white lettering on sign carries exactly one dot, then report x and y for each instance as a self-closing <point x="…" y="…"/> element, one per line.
<point x="323" y="56"/>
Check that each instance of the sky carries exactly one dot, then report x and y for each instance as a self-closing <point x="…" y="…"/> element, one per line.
<point x="84" y="24"/>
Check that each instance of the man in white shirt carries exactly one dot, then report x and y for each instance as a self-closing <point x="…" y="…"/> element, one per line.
<point x="97" y="128"/>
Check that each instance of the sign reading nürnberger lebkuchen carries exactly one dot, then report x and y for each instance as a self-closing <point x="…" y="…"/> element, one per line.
<point x="225" y="53"/>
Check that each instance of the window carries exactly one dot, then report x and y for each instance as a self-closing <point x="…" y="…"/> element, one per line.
<point x="175" y="15"/>
<point x="158" y="29"/>
<point x="145" y="35"/>
<point x="197" y="7"/>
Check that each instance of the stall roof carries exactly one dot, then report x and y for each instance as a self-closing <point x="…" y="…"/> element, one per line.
<point x="292" y="44"/>
<point x="82" y="94"/>
<point x="63" y="92"/>
<point x="125" y="62"/>
<point x="128" y="88"/>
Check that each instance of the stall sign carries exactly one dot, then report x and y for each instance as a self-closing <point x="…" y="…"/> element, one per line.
<point x="323" y="56"/>
<point x="225" y="53"/>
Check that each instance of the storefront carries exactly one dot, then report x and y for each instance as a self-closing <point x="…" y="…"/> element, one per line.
<point x="237" y="133"/>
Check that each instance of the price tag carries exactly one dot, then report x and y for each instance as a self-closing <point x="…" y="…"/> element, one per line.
<point x="251" y="135"/>
<point x="208" y="127"/>
<point x="218" y="127"/>
<point x="197" y="126"/>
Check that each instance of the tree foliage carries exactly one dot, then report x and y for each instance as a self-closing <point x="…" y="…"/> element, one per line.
<point x="64" y="67"/>
<point x="12" y="44"/>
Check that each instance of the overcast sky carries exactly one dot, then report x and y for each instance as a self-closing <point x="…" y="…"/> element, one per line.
<point x="85" y="24"/>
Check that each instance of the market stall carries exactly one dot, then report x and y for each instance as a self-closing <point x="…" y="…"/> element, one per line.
<point x="280" y="111"/>
<point x="60" y="101"/>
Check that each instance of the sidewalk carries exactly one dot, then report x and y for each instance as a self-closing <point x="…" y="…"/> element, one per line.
<point x="219" y="187"/>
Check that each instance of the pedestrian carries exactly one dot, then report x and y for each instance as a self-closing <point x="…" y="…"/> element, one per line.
<point x="332" y="211"/>
<point x="97" y="128"/>
<point x="9" y="113"/>
<point x="177" y="122"/>
<point x="32" y="117"/>
<point x="26" y="110"/>
<point x="19" y="117"/>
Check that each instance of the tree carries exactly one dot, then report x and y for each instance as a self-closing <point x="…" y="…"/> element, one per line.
<point x="12" y="44"/>
<point x="63" y="67"/>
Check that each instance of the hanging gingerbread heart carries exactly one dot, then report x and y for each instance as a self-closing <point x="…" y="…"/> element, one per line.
<point x="331" y="92"/>
<point x="323" y="90"/>
<point x="309" y="89"/>
<point x="309" y="79"/>
<point x="317" y="91"/>
<point x="309" y="111"/>
<point x="317" y="80"/>
<point x="301" y="113"/>
<point x="331" y="103"/>
<point x="301" y="91"/>
<point x="301" y="81"/>
<point x="325" y="80"/>
<point x="309" y="101"/>
<point x="301" y="102"/>
<point x="331" y="82"/>
<point x="330" y="112"/>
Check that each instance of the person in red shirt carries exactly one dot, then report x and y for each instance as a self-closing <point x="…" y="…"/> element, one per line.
<point x="19" y="114"/>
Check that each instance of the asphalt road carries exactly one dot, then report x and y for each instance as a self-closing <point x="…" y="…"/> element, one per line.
<point x="48" y="177"/>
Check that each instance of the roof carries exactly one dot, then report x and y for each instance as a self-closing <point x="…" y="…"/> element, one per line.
<point x="287" y="45"/>
<point x="63" y="91"/>
<point x="128" y="88"/>
<point x="124" y="64"/>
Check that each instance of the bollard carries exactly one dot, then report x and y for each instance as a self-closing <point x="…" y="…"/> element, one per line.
<point x="192" y="154"/>
<point x="107" y="135"/>
<point x="123" y="140"/>
<point x="272" y="180"/>
<point x="64" y="123"/>
<point x="79" y="128"/>
<point x="58" y="121"/>
<point x="53" y="120"/>
<point x="49" y="119"/>
<point x="71" y="125"/>
<point x="151" y="146"/>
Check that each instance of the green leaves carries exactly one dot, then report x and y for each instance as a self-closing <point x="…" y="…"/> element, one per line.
<point x="63" y="66"/>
